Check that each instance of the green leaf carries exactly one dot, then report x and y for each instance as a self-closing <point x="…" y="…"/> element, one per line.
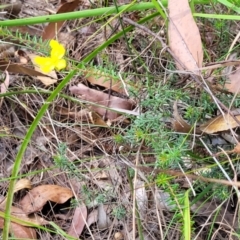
<point x="186" y="217"/>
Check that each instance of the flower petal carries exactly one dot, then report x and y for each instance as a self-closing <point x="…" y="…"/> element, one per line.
<point x="60" y="64"/>
<point x="40" y="60"/>
<point x="57" y="51"/>
<point x="53" y="43"/>
<point x="47" y="68"/>
<point x="46" y="64"/>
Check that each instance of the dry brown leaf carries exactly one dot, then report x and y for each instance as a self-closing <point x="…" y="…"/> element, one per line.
<point x="92" y="217"/>
<point x="21" y="218"/>
<point x="103" y="99"/>
<point x="20" y="231"/>
<point x="21" y="184"/>
<point x="220" y="123"/>
<point x="47" y="79"/>
<point x="20" y="224"/>
<point x="17" y="68"/>
<point x="104" y="81"/>
<point x="36" y="198"/>
<point x="178" y="123"/>
<point x="233" y="82"/>
<point x="83" y="115"/>
<point x="96" y="119"/>
<point x="78" y="221"/>
<point x="52" y="29"/>
<point x="184" y="37"/>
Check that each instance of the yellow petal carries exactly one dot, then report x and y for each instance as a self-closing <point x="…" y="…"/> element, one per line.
<point x="47" y="68"/>
<point x="45" y="64"/>
<point x="40" y="60"/>
<point x="53" y="43"/>
<point x="60" y="64"/>
<point x="57" y="51"/>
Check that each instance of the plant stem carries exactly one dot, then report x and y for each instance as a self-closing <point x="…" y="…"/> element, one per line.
<point x="39" y="116"/>
<point x="217" y="16"/>
<point x="85" y="13"/>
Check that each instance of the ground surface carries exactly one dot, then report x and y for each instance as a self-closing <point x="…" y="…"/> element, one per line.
<point x="122" y="176"/>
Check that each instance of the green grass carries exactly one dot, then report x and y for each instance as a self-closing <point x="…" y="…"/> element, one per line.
<point x="152" y="127"/>
<point x="40" y="114"/>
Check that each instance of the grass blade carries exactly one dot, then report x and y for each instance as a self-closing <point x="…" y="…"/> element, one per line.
<point x="39" y="116"/>
<point x="186" y="218"/>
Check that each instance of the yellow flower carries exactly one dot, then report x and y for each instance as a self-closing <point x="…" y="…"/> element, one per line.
<point x="47" y="64"/>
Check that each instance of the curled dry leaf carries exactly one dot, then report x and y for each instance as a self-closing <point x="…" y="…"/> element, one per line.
<point x="36" y="198"/>
<point x="96" y="119"/>
<point x="104" y="80"/>
<point x="21" y="184"/>
<point x="220" y="123"/>
<point x="78" y="221"/>
<point x="178" y="123"/>
<point x="184" y="37"/>
<point x="52" y="29"/>
<point x="103" y="99"/>
<point x="47" y="79"/>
